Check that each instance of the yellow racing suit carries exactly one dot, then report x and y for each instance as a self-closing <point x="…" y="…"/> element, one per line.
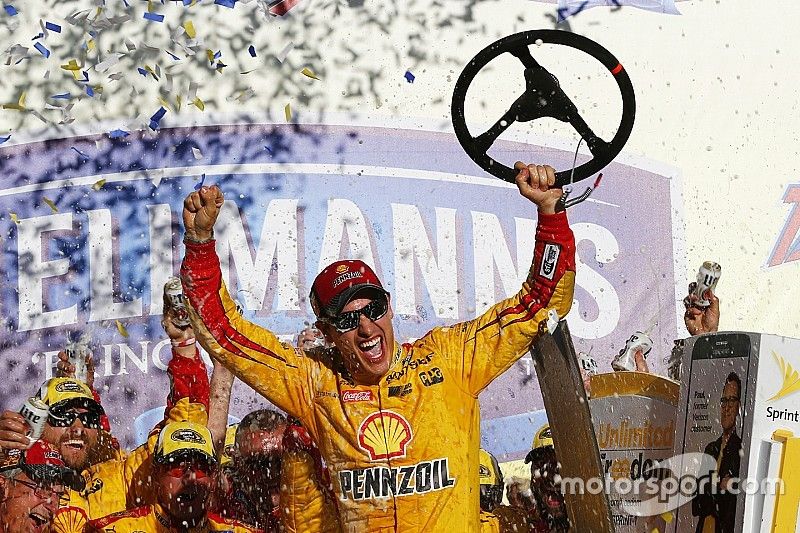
<point x="153" y="519"/>
<point x="120" y="484"/>
<point x="403" y="454"/>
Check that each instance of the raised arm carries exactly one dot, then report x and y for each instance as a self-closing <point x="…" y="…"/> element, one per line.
<point x="483" y="348"/>
<point x="251" y="352"/>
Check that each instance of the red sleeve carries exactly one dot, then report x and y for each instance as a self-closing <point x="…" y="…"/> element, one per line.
<point x="188" y="379"/>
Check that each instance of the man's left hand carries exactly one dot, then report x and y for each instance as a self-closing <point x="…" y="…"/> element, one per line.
<point x="535" y="183"/>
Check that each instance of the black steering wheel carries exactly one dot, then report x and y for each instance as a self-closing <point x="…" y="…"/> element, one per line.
<point x="543" y="97"/>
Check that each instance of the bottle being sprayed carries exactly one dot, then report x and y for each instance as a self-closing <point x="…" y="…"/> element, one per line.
<point x="77" y="352"/>
<point x="707" y="277"/>
<point x="625" y="360"/>
<point x="174" y="301"/>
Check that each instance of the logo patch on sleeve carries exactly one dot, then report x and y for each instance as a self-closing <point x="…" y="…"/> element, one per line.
<point x="549" y="260"/>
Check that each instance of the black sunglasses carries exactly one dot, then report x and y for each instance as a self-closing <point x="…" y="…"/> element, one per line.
<point x="89" y="419"/>
<point x="347" y="321"/>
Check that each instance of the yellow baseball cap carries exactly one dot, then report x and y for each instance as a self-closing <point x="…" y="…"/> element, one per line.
<point x="489" y="470"/>
<point x="60" y="392"/>
<point x="230" y="442"/>
<point x="179" y="439"/>
<point x="543" y="437"/>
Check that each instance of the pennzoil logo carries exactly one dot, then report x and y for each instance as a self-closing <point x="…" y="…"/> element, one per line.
<point x="188" y="435"/>
<point x="341" y="269"/>
<point x="790" y="377"/>
<point x="384" y="435"/>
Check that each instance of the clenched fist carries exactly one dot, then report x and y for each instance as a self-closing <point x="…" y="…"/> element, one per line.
<point x="535" y="182"/>
<point x="200" y="211"/>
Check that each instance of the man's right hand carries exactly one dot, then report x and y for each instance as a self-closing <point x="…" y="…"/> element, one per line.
<point x="701" y="320"/>
<point x="12" y="431"/>
<point x="200" y="211"/>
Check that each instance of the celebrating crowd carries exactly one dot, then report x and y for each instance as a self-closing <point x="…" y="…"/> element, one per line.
<point x="370" y="434"/>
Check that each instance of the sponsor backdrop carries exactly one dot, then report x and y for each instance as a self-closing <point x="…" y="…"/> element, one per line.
<point x="447" y="243"/>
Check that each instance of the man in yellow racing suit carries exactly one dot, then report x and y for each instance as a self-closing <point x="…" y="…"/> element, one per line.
<point x="182" y="479"/>
<point x="398" y="426"/>
<point x="124" y="483"/>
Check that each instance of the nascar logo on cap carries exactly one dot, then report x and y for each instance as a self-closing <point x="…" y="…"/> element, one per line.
<point x="188" y="435"/>
<point x="384" y="435"/>
<point x="69" y="386"/>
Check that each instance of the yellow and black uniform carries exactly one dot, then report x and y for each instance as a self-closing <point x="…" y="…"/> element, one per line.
<point x="403" y="453"/>
<point x="125" y="483"/>
<point x="152" y="519"/>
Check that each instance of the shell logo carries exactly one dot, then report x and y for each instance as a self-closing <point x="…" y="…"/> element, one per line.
<point x="384" y="435"/>
<point x="341" y="269"/>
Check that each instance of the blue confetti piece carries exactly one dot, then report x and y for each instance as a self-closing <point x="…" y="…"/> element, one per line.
<point x="155" y="17"/>
<point x="4" y="139"/>
<point x="42" y="49"/>
<point x="52" y="27"/>
<point x="117" y="134"/>
<point x="142" y="71"/>
<point x="80" y="153"/>
<point x="62" y="96"/>
<point x="173" y="56"/>
<point x="11" y="10"/>
<point x="89" y="90"/>
<point x="252" y="51"/>
<point x="226" y="3"/>
<point x="269" y="151"/>
<point x="200" y="185"/>
<point x="409" y="77"/>
<point x="218" y="54"/>
<point x="156" y="118"/>
<point x="41" y="35"/>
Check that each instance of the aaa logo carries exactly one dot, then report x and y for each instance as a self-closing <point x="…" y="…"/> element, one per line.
<point x="384" y="435"/>
<point x="791" y="378"/>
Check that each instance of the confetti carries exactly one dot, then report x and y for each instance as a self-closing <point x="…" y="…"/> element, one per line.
<point x="50" y="204"/>
<point x="197" y="153"/>
<point x="309" y="73"/>
<point x="189" y="27"/>
<point x="90" y="90"/>
<point x="52" y="27"/>
<point x="42" y="49"/>
<point x="142" y="71"/>
<point x="5" y="139"/>
<point x="288" y="112"/>
<point x="280" y="8"/>
<point x="98" y="184"/>
<point x="173" y="56"/>
<point x="14" y="217"/>
<point x="62" y="96"/>
<point x="156" y="118"/>
<point x="199" y="104"/>
<point x="226" y="3"/>
<point x="281" y="57"/>
<point x="20" y="105"/>
<point x="107" y="63"/>
<point x="409" y="77"/>
<point x="200" y="185"/>
<point x="155" y="17"/>
<point x="121" y="329"/>
<point x="10" y="10"/>
<point x="252" y="50"/>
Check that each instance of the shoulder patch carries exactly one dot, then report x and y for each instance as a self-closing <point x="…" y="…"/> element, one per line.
<point x="110" y="519"/>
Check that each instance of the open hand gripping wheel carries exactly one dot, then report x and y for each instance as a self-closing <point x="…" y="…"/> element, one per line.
<point x="543" y="97"/>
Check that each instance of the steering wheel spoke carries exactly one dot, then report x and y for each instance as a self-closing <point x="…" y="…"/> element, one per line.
<point x="543" y="97"/>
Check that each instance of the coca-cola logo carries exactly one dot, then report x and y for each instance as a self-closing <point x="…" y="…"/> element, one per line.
<point x="350" y="396"/>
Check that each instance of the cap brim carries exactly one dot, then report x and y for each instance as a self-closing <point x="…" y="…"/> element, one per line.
<point x="350" y="294"/>
<point x="186" y="453"/>
<point x="87" y="403"/>
<point x="54" y="473"/>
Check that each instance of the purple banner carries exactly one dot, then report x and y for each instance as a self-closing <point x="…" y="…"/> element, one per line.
<point x="95" y="232"/>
